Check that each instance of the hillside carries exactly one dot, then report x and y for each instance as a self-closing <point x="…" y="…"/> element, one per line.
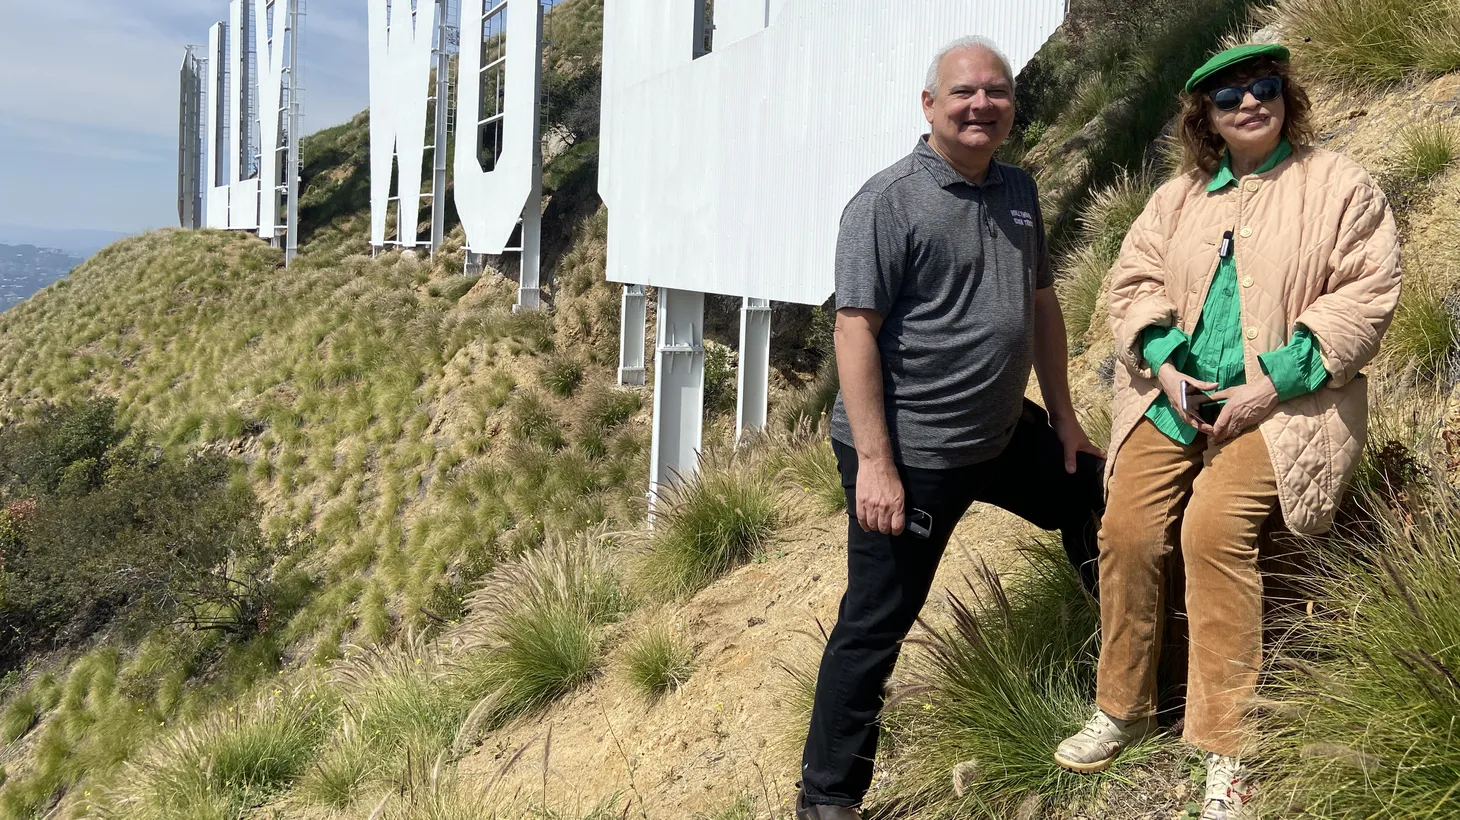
<point x="458" y="611"/>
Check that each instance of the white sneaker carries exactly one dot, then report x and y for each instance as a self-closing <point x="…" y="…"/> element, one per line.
<point x="1230" y="792"/>
<point x="1094" y="748"/>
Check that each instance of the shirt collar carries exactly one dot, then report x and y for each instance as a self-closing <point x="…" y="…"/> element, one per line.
<point x="1225" y="177"/>
<point x="945" y="175"/>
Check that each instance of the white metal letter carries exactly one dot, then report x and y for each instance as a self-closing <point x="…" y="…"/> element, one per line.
<point x="216" y="177"/>
<point x="728" y="173"/>
<point x="269" y="39"/>
<point x="492" y="202"/>
<point x="400" y="72"/>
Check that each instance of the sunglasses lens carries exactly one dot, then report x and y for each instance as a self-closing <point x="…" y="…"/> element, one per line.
<point x="1226" y="99"/>
<point x="1267" y="89"/>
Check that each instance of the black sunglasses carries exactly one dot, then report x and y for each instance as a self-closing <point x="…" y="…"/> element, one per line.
<point x="1228" y="97"/>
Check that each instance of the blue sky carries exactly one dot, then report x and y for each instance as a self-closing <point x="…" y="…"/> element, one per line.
<point x="88" y="102"/>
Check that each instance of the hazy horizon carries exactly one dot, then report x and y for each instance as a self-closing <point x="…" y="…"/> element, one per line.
<point x="90" y="140"/>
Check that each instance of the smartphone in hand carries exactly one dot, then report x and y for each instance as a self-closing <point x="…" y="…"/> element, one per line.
<point x="919" y="523"/>
<point x="1199" y="403"/>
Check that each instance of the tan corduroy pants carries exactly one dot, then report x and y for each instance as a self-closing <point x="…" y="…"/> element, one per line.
<point x="1214" y="499"/>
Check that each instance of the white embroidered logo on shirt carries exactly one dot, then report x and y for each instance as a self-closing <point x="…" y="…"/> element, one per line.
<point x="1023" y="218"/>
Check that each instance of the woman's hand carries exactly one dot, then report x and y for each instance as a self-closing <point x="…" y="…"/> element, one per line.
<point x="1171" y="379"/>
<point x="1246" y="405"/>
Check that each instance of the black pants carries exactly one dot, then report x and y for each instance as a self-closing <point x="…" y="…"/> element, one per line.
<point x="888" y="579"/>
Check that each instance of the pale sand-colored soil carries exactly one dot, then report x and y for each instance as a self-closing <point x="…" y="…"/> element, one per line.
<point x="728" y="731"/>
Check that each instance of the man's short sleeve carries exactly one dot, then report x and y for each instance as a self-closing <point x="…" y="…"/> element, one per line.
<point x="871" y="254"/>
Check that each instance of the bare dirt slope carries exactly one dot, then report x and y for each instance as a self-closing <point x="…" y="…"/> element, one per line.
<point x="730" y="730"/>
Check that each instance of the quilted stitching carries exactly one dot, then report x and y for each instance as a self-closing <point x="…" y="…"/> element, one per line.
<point x="1323" y="251"/>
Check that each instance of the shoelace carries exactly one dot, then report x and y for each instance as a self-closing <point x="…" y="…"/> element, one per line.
<point x="1098" y="724"/>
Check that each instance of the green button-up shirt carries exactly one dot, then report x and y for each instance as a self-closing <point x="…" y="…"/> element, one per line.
<point x="1213" y="352"/>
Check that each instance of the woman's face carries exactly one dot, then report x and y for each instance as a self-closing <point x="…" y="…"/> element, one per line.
<point x="1254" y="127"/>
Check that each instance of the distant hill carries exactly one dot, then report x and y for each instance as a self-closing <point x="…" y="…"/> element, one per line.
<point x="78" y="241"/>
<point x="25" y="269"/>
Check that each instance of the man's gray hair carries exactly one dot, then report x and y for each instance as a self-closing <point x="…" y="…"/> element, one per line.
<point x="966" y="44"/>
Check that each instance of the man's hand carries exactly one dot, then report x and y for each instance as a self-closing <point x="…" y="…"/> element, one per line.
<point x="1073" y="437"/>
<point x="880" y="502"/>
<point x="1246" y="405"/>
<point x="1171" y="379"/>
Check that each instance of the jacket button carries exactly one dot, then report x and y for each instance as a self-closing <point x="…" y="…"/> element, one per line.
<point x="1253" y="185"/>
<point x="1246" y="231"/>
<point x="1247" y="281"/>
<point x="1251" y="333"/>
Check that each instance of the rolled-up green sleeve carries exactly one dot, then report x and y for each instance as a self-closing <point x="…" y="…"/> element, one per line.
<point x="1159" y="343"/>
<point x="1296" y="368"/>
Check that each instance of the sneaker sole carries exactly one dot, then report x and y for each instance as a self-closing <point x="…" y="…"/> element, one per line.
<point x="1083" y="768"/>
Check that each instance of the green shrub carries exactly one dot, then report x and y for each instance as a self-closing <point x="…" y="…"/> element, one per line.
<point x="20" y="716"/>
<point x="454" y="288"/>
<point x="741" y="808"/>
<point x="1428" y="148"/>
<point x="561" y="375"/>
<point x="657" y="661"/>
<point x="1423" y="332"/>
<point x="225" y="763"/>
<point x="532" y="630"/>
<point x="399" y="703"/>
<point x="1363" y="694"/>
<point x="1096" y="421"/>
<point x="339" y="776"/>
<point x="796" y="690"/>
<point x="605" y="408"/>
<point x="127" y="532"/>
<point x="811" y="405"/>
<point x="707" y="524"/>
<point x="1081" y="280"/>
<point x="497" y="390"/>
<point x="533" y="421"/>
<point x="812" y="468"/>
<point x="1106" y="217"/>
<point x="56" y="438"/>
<point x="997" y="689"/>
<point x="720" y="379"/>
<point x="1370" y="43"/>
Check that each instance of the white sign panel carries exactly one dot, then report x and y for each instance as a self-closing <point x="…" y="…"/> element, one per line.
<point x="491" y="203"/>
<point x="271" y="51"/>
<point x="400" y="75"/>
<point x="217" y="172"/>
<point x="728" y="173"/>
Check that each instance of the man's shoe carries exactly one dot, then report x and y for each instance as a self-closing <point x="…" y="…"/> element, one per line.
<point x="1094" y="747"/>
<point x="1230" y="792"/>
<point x="810" y="811"/>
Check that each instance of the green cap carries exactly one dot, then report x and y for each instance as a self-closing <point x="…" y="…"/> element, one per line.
<point x="1233" y="56"/>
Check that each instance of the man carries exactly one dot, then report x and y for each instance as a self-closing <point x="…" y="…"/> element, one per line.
<point x="945" y="300"/>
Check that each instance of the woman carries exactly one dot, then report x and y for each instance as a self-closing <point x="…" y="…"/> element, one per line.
<point x="1247" y="296"/>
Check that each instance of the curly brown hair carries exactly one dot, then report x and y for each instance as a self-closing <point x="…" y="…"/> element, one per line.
<point x="1202" y="147"/>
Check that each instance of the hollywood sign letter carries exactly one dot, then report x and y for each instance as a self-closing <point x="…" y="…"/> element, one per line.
<point x="400" y="73"/>
<point x="728" y="173"/>
<point x="240" y="196"/>
<point x="498" y="164"/>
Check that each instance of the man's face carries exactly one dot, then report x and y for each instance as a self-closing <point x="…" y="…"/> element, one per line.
<point x="974" y="106"/>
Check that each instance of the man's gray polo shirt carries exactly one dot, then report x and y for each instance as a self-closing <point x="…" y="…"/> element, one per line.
<point x="952" y="268"/>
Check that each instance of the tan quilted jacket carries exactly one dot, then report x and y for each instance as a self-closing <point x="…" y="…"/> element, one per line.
<point x="1316" y="246"/>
